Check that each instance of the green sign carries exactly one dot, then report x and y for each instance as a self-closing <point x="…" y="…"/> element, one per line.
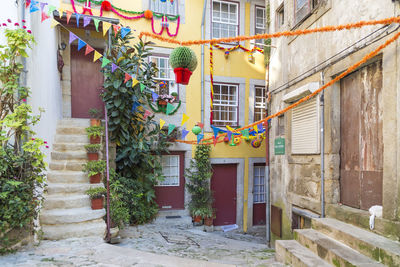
<point x="279" y="146"/>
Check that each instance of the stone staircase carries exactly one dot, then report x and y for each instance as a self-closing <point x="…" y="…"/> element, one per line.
<point x="333" y="243"/>
<point x="66" y="209"/>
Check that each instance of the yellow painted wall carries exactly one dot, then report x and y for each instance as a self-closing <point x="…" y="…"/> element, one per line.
<point x="236" y="65"/>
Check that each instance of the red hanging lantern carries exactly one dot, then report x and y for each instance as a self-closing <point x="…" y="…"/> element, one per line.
<point x="106" y="5"/>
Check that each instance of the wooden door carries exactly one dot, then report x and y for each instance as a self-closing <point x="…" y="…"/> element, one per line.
<point x="170" y="193"/>
<point x="223" y="185"/>
<point x="259" y="207"/>
<point x="361" y="149"/>
<point x="86" y="83"/>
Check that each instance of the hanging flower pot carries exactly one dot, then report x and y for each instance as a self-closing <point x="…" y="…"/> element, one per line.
<point x="184" y="61"/>
<point x="95" y="179"/>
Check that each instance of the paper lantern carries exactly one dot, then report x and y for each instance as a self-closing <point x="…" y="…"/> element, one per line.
<point x="226" y="139"/>
<point x="106" y="5"/>
<point x="183" y="60"/>
<point x="162" y="84"/>
<point x="148" y="14"/>
<point x="256" y="143"/>
<point x="196" y="130"/>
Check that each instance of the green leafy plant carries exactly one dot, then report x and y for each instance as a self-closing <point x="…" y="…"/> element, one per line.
<point x="93" y="148"/>
<point x="94" y="113"/>
<point x="94" y="167"/>
<point x="96" y="192"/>
<point x="198" y="177"/>
<point x="95" y="131"/>
<point x="119" y="212"/>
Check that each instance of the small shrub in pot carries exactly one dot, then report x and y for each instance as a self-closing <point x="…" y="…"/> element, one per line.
<point x="95" y="133"/>
<point x="96" y="195"/>
<point x="93" y="151"/>
<point x="94" y="170"/>
<point x="95" y="115"/>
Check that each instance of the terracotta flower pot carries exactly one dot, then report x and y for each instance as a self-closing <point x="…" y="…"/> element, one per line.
<point x="93" y="156"/>
<point x="95" y="179"/>
<point x="208" y="221"/>
<point x="95" y="122"/>
<point x="197" y="219"/>
<point x="97" y="203"/>
<point x="162" y="102"/>
<point x="95" y="140"/>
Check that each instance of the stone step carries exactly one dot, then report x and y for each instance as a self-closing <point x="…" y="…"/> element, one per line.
<point x="370" y="244"/>
<point x="292" y="253"/>
<point x="66" y="201"/>
<point x="332" y="251"/>
<point x="72" y="155"/>
<point x="74" y="123"/>
<point x="65" y="216"/>
<point x="67" y="165"/>
<point x="65" y="177"/>
<point x="69" y="189"/>
<point x="71" y="138"/>
<point x="70" y="130"/>
<point x="67" y="230"/>
<point x="68" y="147"/>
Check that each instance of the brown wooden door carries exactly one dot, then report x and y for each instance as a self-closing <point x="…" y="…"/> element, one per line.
<point x="86" y="83"/>
<point x="361" y="149"/>
<point x="170" y="193"/>
<point x="223" y="185"/>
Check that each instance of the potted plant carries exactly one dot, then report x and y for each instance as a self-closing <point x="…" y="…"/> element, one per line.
<point x="184" y="61"/>
<point x="94" y="170"/>
<point x="96" y="195"/>
<point x="94" y="117"/>
<point x="175" y="95"/>
<point x="95" y="133"/>
<point x="93" y="151"/>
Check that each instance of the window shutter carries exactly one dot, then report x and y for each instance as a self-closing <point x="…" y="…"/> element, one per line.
<point x="302" y="9"/>
<point x="305" y="128"/>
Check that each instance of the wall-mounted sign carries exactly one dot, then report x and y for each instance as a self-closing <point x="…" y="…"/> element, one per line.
<point x="279" y="146"/>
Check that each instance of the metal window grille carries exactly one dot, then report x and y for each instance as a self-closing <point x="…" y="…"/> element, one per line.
<point x="225" y="105"/>
<point x="164" y="73"/>
<point x="259" y="184"/>
<point x="225" y="19"/>
<point x="167" y="7"/>
<point x="170" y="170"/>
<point x="260" y="24"/>
<point x="259" y="103"/>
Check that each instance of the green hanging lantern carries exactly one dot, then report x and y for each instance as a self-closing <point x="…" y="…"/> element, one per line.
<point x="184" y="61"/>
<point x="196" y="130"/>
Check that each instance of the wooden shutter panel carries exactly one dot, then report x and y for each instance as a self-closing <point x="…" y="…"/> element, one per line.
<point x="305" y="128"/>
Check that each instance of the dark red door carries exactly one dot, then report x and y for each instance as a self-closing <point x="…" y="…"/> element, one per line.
<point x="259" y="195"/>
<point x="170" y="193"/>
<point x="86" y="83"/>
<point x="223" y="185"/>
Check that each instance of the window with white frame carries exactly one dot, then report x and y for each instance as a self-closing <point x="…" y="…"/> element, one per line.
<point x="225" y="19"/>
<point x="164" y="74"/>
<point x="259" y="184"/>
<point x="225" y="105"/>
<point x="260" y="24"/>
<point x="167" y="7"/>
<point x="259" y="103"/>
<point x="170" y="170"/>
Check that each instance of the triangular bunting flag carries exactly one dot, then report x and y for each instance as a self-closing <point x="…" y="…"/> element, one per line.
<point x="135" y="105"/>
<point x="260" y="127"/>
<point x="154" y="96"/>
<point x="215" y="140"/>
<point x="80" y="44"/>
<point x="215" y="130"/>
<point x="27" y="3"/>
<point x="33" y="8"/>
<point x="245" y="133"/>
<point x="134" y="82"/>
<point x="96" y="56"/>
<point x="255" y="128"/>
<point x="142" y="87"/>
<point x="230" y="128"/>
<point x="127" y="77"/>
<point x="61" y="12"/>
<point x="54" y="23"/>
<point x="184" y="133"/>
<point x="105" y="62"/>
<point x="44" y="16"/>
<point x="113" y="67"/>
<point x="106" y="26"/>
<point x="199" y="137"/>
<point x="69" y="14"/>
<point x="124" y="31"/>
<point x="88" y="50"/>
<point x="77" y="15"/>
<point x="147" y="113"/>
<point x="51" y="9"/>
<point x="201" y="125"/>
<point x="72" y="37"/>
<point x="96" y="24"/>
<point x="86" y="20"/>
<point x="170" y="108"/>
<point x="229" y="135"/>
<point x="184" y="119"/>
<point x="162" y="122"/>
<point x="42" y="5"/>
<point x="171" y="127"/>
<point x="116" y="29"/>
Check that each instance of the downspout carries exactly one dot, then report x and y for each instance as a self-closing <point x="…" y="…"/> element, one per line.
<point x="267" y="178"/>
<point x="322" y="137"/>
<point x="23" y="81"/>
<point x="202" y="60"/>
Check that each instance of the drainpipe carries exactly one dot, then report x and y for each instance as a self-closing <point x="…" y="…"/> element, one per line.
<point x="23" y="81"/>
<point x="322" y="148"/>
<point x="202" y="60"/>
<point x="267" y="178"/>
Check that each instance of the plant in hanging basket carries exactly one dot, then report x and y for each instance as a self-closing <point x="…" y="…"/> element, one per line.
<point x="93" y="151"/>
<point x="95" y="133"/>
<point x="184" y="61"/>
<point x="95" y="116"/>
<point x="96" y="195"/>
<point x="94" y="169"/>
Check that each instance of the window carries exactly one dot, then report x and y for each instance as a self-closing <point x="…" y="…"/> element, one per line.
<point x="260" y="24"/>
<point x="259" y="184"/>
<point x="303" y="8"/>
<point x="305" y="128"/>
<point x="225" y="105"/>
<point x="225" y="19"/>
<point x="280" y="16"/>
<point x="165" y="74"/>
<point x="170" y="170"/>
<point x="259" y="103"/>
<point x="167" y="7"/>
<point x="280" y="129"/>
